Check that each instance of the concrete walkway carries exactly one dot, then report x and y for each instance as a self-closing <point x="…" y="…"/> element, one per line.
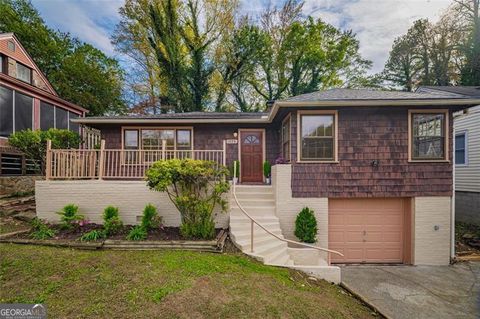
<point x="403" y="292"/>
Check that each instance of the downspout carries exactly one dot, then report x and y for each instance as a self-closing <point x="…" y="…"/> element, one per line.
<point x="452" y="209"/>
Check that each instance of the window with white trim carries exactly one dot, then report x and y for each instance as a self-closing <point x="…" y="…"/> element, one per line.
<point x="461" y="148"/>
<point x="152" y="138"/>
<point x="130" y="139"/>
<point x="428" y="136"/>
<point x="317" y="137"/>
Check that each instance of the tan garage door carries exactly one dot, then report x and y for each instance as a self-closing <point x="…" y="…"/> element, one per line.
<point x="366" y="230"/>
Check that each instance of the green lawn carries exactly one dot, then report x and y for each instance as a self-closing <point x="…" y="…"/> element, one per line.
<point x="164" y="284"/>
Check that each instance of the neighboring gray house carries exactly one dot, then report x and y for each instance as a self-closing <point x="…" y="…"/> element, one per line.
<point x="467" y="154"/>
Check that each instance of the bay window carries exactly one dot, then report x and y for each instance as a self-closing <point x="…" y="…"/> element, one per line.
<point x="428" y="139"/>
<point x="317" y="136"/>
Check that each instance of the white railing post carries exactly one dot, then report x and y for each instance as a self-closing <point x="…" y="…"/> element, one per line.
<point x="101" y="160"/>
<point x="48" y="159"/>
<point x="164" y="149"/>
<point x="224" y="156"/>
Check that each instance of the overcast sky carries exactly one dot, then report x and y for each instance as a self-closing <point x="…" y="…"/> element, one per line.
<point x="376" y="22"/>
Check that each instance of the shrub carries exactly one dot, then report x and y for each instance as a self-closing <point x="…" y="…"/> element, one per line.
<point x="34" y="143"/>
<point x="69" y="216"/>
<point x="150" y="217"/>
<point x="195" y="187"/>
<point x="137" y="233"/>
<point x="306" y="226"/>
<point x="267" y="169"/>
<point x="110" y="212"/>
<point x="93" y="235"/>
<point x="112" y="224"/>
<point x="41" y="230"/>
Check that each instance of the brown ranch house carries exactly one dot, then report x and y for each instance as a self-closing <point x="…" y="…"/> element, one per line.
<point x="375" y="166"/>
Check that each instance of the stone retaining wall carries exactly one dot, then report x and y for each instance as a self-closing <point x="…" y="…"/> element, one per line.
<point x="17" y="184"/>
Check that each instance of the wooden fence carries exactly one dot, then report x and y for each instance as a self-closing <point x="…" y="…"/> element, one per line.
<point x="68" y="164"/>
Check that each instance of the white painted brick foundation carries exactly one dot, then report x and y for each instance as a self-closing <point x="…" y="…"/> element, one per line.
<point x="92" y="196"/>
<point x="287" y="207"/>
<point x="431" y="246"/>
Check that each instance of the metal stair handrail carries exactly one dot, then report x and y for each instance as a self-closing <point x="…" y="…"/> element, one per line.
<point x="254" y="221"/>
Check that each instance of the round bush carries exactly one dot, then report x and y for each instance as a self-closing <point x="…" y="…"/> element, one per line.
<point x="306" y="226"/>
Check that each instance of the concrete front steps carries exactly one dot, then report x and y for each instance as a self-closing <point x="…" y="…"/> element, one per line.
<point x="259" y="202"/>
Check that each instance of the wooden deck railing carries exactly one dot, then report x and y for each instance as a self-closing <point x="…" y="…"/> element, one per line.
<point x="116" y="163"/>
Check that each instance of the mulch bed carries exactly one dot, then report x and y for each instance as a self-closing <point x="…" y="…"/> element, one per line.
<point x="159" y="234"/>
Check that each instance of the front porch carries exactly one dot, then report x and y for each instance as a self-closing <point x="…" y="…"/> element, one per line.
<point x="117" y="164"/>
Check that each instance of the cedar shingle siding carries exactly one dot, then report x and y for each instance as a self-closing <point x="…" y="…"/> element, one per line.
<point x="367" y="134"/>
<point x="364" y="134"/>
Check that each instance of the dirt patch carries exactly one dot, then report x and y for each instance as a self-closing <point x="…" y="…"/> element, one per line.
<point x="467" y="239"/>
<point x="158" y="234"/>
<point x="9" y="224"/>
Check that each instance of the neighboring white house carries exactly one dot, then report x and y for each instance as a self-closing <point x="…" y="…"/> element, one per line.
<point x="467" y="154"/>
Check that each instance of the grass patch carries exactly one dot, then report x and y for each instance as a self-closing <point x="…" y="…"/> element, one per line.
<point x="167" y="284"/>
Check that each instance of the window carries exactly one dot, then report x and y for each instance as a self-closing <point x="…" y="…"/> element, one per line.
<point x="151" y="138"/>
<point x="11" y="46"/>
<point x="1" y="63"/>
<point x="428" y="131"/>
<point x="184" y="140"/>
<point x="461" y="149"/>
<point x="61" y="119"/>
<point x="24" y="73"/>
<point x="286" y="139"/>
<point x="6" y="111"/>
<point x="317" y="137"/>
<point x="131" y="139"/>
<point x="23" y="112"/>
<point x="47" y="116"/>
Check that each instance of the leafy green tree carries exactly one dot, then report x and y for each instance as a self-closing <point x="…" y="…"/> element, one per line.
<point x="144" y="81"/>
<point x="78" y="72"/>
<point x="209" y="58"/>
<point x="400" y="68"/>
<point x="467" y="11"/>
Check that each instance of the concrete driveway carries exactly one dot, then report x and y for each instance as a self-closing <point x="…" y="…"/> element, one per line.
<point x="418" y="291"/>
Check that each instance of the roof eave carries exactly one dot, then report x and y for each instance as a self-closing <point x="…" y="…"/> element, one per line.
<point x="268" y="119"/>
<point x="86" y="120"/>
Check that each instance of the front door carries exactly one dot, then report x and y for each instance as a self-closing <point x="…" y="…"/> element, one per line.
<point x="251" y="156"/>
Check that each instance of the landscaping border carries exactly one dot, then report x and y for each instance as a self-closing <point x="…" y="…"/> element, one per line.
<point x="215" y="246"/>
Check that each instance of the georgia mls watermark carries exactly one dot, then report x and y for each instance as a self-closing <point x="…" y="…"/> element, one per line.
<point x="22" y="311"/>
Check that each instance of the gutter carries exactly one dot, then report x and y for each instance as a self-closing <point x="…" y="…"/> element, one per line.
<point x="281" y="104"/>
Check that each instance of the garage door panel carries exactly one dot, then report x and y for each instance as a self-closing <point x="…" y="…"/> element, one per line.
<point x="367" y="230"/>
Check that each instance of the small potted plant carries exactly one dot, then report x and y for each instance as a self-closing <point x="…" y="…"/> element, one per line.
<point x="267" y="171"/>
